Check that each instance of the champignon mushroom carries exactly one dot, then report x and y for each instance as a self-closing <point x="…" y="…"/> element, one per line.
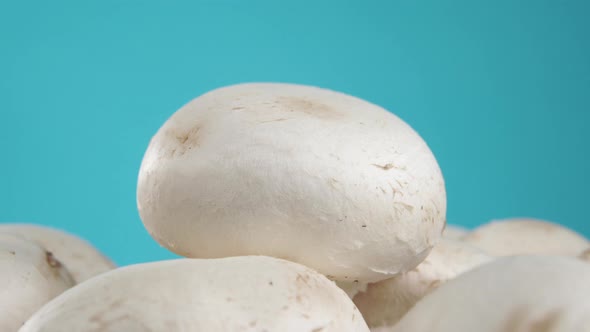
<point x="82" y="260"/>
<point x="454" y="232"/>
<point x="520" y="293"/>
<point x="385" y="302"/>
<point x="526" y="236"/>
<point x="296" y="172"/>
<point x="252" y="293"/>
<point x="30" y="277"/>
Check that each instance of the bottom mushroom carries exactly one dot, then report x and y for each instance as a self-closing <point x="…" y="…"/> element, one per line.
<point x="251" y="293"/>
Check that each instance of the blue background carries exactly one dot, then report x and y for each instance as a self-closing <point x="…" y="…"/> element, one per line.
<point x="499" y="89"/>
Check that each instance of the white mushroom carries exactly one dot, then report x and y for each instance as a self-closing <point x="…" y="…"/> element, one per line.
<point x="80" y="257"/>
<point x="351" y="288"/>
<point x="385" y="302"/>
<point x="253" y="293"/>
<point x="585" y="255"/>
<point x="302" y="173"/>
<point x="526" y="236"/>
<point x="30" y="277"/>
<point x="511" y="294"/>
<point x="454" y="232"/>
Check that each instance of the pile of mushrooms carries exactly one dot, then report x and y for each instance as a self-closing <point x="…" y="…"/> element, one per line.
<point x="295" y="208"/>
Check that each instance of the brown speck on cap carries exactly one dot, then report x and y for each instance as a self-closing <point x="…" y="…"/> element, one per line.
<point x="385" y="167"/>
<point x="294" y="104"/>
<point x="51" y="260"/>
<point x="521" y="320"/>
<point x="185" y="139"/>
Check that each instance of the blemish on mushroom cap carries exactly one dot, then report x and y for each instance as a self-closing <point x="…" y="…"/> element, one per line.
<point x="307" y="106"/>
<point x="80" y="258"/>
<point x="521" y="320"/>
<point x="585" y="255"/>
<point x="292" y="182"/>
<point x="32" y="276"/>
<point x="184" y="140"/>
<point x="51" y="259"/>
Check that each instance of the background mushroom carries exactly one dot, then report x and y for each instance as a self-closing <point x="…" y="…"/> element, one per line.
<point x="385" y="302"/>
<point x="454" y="232"/>
<point x="297" y="172"/>
<point x="254" y="293"/>
<point x="30" y="277"/>
<point x="82" y="260"/>
<point x="520" y="293"/>
<point x="526" y="236"/>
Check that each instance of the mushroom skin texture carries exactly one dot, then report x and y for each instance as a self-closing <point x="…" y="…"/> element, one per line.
<point x="521" y="236"/>
<point x="296" y="172"/>
<point x="585" y="255"/>
<point x="385" y="302"/>
<point x="352" y="288"/>
<point x="30" y="277"/>
<point x="251" y="293"/>
<point x="518" y="293"/>
<point x="82" y="260"/>
<point x="454" y="232"/>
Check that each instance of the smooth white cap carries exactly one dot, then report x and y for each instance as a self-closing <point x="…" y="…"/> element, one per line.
<point x="521" y="236"/>
<point x="297" y="172"/>
<point x="254" y="293"/>
<point x="519" y="293"/>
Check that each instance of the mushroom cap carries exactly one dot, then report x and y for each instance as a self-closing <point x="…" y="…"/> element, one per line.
<point x="519" y="293"/>
<point x="30" y="277"/>
<point x="296" y="172"/>
<point x="252" y="293"/>
<point x="82" y="260"/>
<point x="351" y="288"/>
<point x="522" y="236"/>
<point x="385" y="302"/>
<point x="454" y="232"/>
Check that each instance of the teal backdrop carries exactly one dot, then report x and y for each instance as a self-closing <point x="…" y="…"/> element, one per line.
<point x="500" y="90"/>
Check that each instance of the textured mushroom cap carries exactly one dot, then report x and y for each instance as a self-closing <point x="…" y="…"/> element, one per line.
<point x="453" y="232"/>
<point x="30" y="277"/>
<point x="385" y="302"/>
<point x="82" y="260"/>
<point x="526" y="236"/>
<point x="253" y="293"/>
<point x="585" y="255"/>
<point x="302" y="173"/>
<point x="520" y="293"/>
